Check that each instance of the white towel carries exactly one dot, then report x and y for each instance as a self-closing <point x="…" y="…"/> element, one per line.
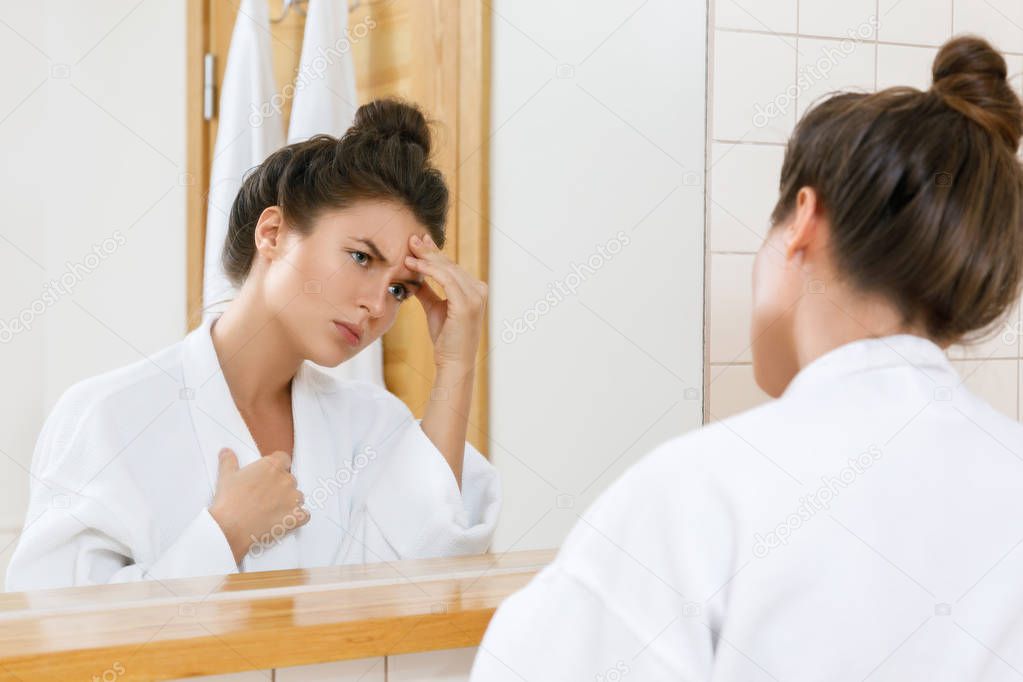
<point x="325" y="102"/>
<point x="325" y="95"/>
<point x="250" y="128"/>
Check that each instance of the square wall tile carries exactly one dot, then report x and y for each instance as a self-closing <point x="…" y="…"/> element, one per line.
<point x="900" y="65"/>
<point x="754" y="84"/>
<point x="847" y="19"/>
<point x="361" y="670"/>
<point x="827" y="66"/>
<point x="999" y="21"/>
<point x="995" y="381"/>
<point x="744" y="189"/>
<point x="777" y="16"/>
<point x="922" y="22"/>
<point x="452" y="665"/>
<point x="731" y="304"/>
<point x="732" y="390"/>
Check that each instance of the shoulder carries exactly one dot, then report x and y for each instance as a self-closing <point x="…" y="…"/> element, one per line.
<point x="87" y="406"/>
<point x="707" y="460"/>
<point x="686" y="495"/>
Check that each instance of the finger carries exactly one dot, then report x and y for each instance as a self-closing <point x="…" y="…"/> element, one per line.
<point x="302" y="516"/>
<point x="228" y="462"/>
<point x="429" y="251"/>
<point x="280" y="459"/>
<point x="424" y="245"/>
<point x="427" y="296"/>
<point x="440" y="274"/>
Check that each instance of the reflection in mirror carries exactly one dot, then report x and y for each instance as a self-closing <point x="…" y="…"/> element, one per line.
<point x="318" y="411"/>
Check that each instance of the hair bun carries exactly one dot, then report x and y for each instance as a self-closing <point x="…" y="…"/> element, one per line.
<point x="972" y="78"/>
<point x="385" y="118"/>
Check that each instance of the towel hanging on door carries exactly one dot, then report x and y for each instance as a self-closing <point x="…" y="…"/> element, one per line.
<point x="249" y="128"/>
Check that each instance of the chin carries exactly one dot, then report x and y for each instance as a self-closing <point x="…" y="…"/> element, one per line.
<point x="329" y="355"/>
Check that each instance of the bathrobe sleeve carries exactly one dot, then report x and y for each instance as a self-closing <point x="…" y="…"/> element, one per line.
<point x="628" y="595"/>
<point x="409" y="505"/>
<point x="81" y="528"/>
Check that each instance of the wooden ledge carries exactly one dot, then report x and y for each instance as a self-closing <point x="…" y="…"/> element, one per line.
<point x="256" y="621"/>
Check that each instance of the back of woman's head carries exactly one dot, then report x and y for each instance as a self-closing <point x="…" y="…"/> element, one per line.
<point x="385" y="155"/>
<point x="923" y="190"/>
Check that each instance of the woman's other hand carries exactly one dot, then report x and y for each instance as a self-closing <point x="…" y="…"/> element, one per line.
<point x="257" y="503"/>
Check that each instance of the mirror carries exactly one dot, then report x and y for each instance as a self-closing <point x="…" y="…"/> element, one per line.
<point x="575" y="193"/>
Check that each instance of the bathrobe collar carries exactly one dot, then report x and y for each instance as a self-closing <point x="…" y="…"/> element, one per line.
<point x="219" y="424"/>
<point x="899" y="350"/>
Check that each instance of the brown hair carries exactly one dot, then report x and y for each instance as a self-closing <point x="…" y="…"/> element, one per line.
<point x="385" y="155"/>
<point x="923" y="190"/>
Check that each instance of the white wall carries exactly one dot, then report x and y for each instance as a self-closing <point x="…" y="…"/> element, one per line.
<point x="92" y="133"/>
<point x="598" y="126"/>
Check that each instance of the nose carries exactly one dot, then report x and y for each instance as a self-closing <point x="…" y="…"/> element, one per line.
<point x="373" y="298"/>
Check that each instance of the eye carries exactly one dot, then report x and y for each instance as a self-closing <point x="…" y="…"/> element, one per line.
<point x="360" y="258"/>
<point x="399" y="291"/>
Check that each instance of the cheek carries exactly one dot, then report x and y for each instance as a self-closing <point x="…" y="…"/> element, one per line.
<point x="774" y="293"/>
<point x="305" y="268"/>
<point x="383" y="324"/>
<point x="769" y="298"/>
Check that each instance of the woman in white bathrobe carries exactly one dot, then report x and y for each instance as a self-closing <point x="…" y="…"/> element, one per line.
<point x="866" y="525"/>
<point x="227" y="451"/>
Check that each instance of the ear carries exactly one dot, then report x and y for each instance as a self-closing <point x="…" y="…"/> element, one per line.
<point x="270" y="233"/>
<point x="805" y="233"/>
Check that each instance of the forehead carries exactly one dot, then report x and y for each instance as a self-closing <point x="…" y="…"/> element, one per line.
<point x="387" y="223"/>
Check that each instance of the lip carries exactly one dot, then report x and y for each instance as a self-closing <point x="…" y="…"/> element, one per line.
<point x="350" y="332"/>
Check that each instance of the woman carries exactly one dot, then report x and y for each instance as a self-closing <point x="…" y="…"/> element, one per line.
<point x="865" y="525"/>
<point x="228" y="452"/>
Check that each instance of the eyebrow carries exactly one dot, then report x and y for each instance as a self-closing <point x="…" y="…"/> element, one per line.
<point x="375" y="252"/>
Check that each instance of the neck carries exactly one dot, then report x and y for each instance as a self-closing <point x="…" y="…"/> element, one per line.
<point x="833" y="319"/>
<point x="255" y="355"/>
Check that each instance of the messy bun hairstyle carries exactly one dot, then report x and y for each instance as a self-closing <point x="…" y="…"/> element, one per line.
<point x="385" y="155"/>
<point x="923" y="190"/>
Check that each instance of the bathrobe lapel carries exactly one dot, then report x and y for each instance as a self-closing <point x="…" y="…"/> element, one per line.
<point x="218" y="424"/>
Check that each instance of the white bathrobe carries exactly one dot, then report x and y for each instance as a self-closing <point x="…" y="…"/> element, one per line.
<point x="868" y="525"/>
<point x="126" y="467"/>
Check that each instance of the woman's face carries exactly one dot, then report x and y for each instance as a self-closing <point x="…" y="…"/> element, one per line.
<point x="349" y="271"/>
<point x="778" y="285"/>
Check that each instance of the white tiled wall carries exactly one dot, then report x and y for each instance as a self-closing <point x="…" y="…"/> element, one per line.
<point x="450" y="665"/>
<point x="759" y="49"/>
